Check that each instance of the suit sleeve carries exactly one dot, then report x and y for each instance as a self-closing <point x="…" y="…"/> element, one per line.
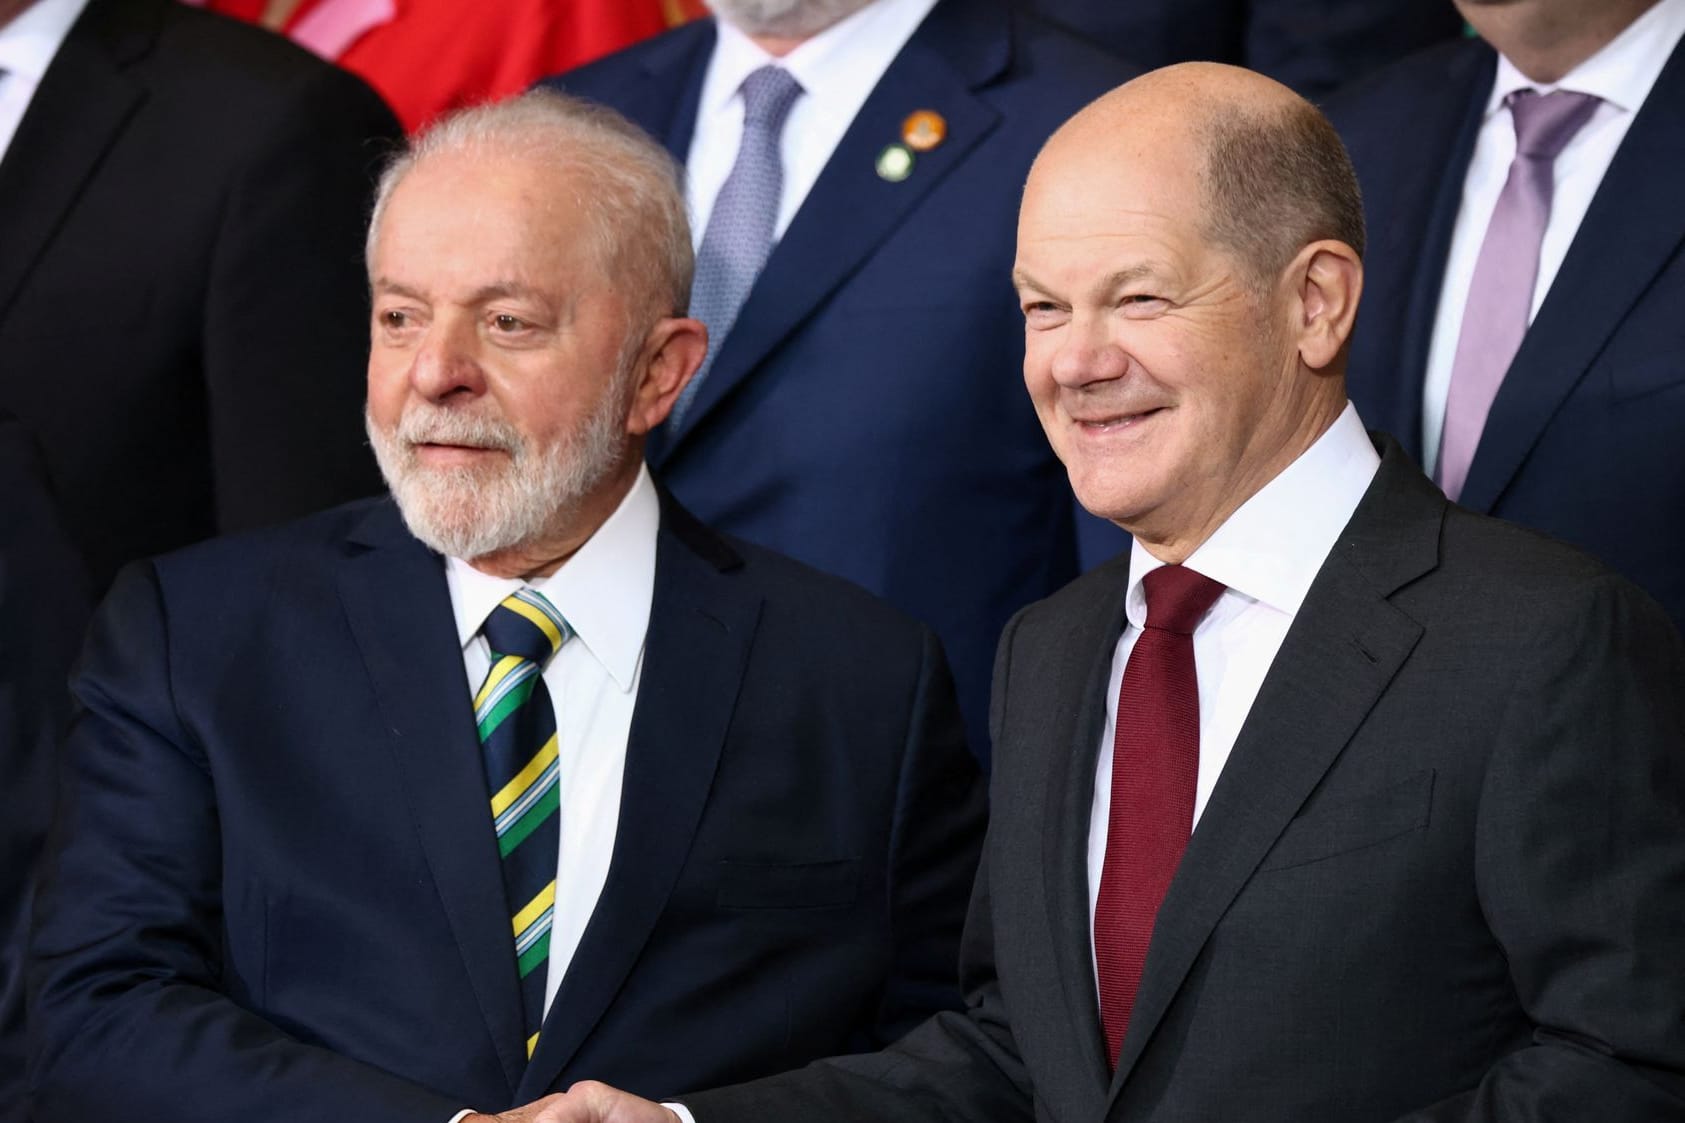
<point x="1580" y="863"/>
<point x="43" y="609"/>
<point x="129" y="1017"/>
<point x="286" y="312"/>
<point x="937" y="834"/>
<point x="954" y="1068"/>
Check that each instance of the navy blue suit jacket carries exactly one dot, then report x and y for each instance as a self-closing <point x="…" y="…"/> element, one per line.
<point x="866" y="414"/>
<point x="273" y="893"/>
<point x="1312" y="45"/>
<point x="43" y="609"/>
<point x="1583" y="441"/>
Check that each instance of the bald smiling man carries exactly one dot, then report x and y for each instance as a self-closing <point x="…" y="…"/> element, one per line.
<point x="1329" y="802"/>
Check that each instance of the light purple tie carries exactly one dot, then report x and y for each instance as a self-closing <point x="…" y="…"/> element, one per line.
<point x="738" y="239"/>
<point x="1500" y="297"/>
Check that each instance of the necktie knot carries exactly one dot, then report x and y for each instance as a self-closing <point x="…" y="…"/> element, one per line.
<point x="1178" y="598"/>
<point x="527" y="626"/>
<point x="1544" y="124"/>
<point x="768" y="94"/>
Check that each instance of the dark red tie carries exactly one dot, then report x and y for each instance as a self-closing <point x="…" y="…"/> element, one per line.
<point x="1155" y="765"/>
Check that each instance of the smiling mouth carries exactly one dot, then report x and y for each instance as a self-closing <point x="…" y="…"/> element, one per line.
<point x="1117" y="422"/>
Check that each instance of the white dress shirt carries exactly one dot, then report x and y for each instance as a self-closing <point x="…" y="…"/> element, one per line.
<point x="837" y="70"/>
<point x="1266" y="554"/>
<point x="27" y="47"/>
<point x="604" y="592"/>
<point x="1621" y="74"/>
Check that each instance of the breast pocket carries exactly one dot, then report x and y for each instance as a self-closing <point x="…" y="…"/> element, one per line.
<point x="803" y="885"/>
<point x="1354" y="824"/>
<point x="1649" y="375"/>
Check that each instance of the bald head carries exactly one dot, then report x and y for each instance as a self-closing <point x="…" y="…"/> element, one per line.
<point x="1189" y="274"/>
<point x="1268" y="170"/>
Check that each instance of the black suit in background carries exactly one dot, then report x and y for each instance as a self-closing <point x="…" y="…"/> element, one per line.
<point x="1440" y="878"/>
<point x="1313" y="46"/>
<point x="1583" y="439"/>
<point x="182" y="301"/>
<point x="275" y="892"/>
<point x="43" y="609"/>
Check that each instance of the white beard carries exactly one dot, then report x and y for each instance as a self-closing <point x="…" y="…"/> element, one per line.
<point x="796" y="19"/>
<point x="470" y="512"/>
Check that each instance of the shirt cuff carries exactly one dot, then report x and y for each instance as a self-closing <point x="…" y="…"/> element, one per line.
<point x="467" y="1111"/>
<point x="681" y="1111"/>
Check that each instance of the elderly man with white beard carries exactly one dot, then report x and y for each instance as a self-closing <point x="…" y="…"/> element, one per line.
<point x="432" y="805"/>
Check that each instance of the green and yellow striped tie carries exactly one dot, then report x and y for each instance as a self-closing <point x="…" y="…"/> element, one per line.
<point x="518" y="734"/>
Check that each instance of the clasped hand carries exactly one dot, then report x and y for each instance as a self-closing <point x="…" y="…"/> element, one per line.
<point x="586" y="1102"/>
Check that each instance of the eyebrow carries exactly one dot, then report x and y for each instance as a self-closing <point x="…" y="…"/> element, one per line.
<point x="1112" y="281"/>
<point x="496" y="290"/>
<point x="1133" y="273"/>
<point x="1023" y="280"/>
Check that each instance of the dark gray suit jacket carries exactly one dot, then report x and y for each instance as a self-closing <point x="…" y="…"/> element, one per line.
<point x="1441" y="878"/>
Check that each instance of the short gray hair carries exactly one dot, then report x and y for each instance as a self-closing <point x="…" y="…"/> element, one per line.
<point x="626" y="184"/>
<point x="1275" y="181"/>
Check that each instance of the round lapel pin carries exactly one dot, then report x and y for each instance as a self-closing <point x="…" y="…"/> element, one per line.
<point x="924" y="130"/>
<point x="895" y="163"/>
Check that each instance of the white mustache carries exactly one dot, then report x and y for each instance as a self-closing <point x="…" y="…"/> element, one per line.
<point x="431" y="425"/>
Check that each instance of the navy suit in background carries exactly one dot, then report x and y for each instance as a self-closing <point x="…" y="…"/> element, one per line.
<point x="866" y="414"/>
<point x="1584" y="439"/>
<point x="1312" y="45"/>
<point x="43" y="609"/>
<point x="273" y="893"/>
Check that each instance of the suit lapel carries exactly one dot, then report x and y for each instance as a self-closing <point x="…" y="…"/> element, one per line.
<point x="1342" y="650"/>
<point x="664" y="103"/>
<point x="398" y="605"/>
<point x="1634" y="227"/>
<point x="851" y="210"/>
<point x="81" y="107"/>
<point x="1420" y="206"/>
<point x="1084" y="664"/>
<point x="701" y="627"/>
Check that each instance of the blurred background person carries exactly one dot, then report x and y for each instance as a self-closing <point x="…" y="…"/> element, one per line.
<point x="43" y="609"/>
<point x="1311" y="45"/>
<point x="426" y="57"/>
<point x="182" y="309"/>
<point x="1521" y="329"/>
<point x="854" y="169"/>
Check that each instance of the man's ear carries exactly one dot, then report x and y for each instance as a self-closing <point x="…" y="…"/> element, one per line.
<point x="670" y="356"/>
<point x="1327" y="279"/>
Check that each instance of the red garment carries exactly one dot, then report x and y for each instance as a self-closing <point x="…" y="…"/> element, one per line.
<point x="1155" y="771"/>
<point x="429" y="56"/>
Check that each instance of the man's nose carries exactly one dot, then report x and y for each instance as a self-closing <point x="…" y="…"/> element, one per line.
<point x="447" y="363"/>
<point x="1088" y="353"/>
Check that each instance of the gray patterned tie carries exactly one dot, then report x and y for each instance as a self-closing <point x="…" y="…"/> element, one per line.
<point x="739" y="236"/>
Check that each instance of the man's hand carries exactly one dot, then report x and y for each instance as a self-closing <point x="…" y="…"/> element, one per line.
<point x="586" y="1102"/>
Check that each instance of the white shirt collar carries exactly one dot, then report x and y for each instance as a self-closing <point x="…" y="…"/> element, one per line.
<point x="1621" y="74"/>
<point x="604" y="590"/>
<point x="29" y="42"/>
<point x="1271" y="549"/>
<point x="849" y="56"/>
